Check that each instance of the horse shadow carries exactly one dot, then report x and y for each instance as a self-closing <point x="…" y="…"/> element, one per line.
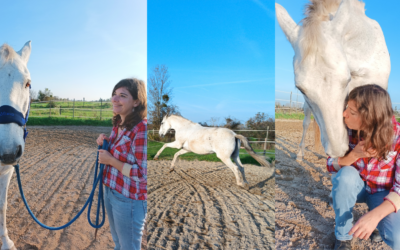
<point x="303" y="187"/>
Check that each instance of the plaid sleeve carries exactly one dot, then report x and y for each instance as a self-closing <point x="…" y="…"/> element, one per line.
<point x="329" y="165"/>
<point x="394" y="195"/>
<point x="138" y="149"/>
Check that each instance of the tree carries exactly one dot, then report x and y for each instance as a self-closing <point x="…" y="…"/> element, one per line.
<point x="261" y="121"/>
<point x="231" y="123"/>
<point x="45" y="95"/>
<point x="214" y="121"/>
<point x="160" y="95"/>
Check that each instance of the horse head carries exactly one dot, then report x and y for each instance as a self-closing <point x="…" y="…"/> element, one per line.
<point x="166" y="125"/>
<point x="15" y="83"/>
<point x="327" y="64"/>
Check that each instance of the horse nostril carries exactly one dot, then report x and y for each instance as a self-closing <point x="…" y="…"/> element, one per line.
<point x="19" y="151"/>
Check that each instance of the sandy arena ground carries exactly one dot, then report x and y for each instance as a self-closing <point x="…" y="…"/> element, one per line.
<point x="57" y="172"/>
<point x="199" y="206"/>
<point x="304" y="220"/>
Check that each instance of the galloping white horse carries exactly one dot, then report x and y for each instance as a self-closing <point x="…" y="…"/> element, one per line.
<point x="336" y="49"/>
<point x="192" y="137"/>
<point x="14" y="85"/>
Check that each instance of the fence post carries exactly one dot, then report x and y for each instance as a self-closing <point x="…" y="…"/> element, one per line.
<point x="60" y="110"/>
<point x="290" y="108"/>
<point x="265" y="143"/>
<point x="73" y="109"/>
<point x="50" y="112"/>
<point x="101" y="105"/>
<point x="83" y="105"/>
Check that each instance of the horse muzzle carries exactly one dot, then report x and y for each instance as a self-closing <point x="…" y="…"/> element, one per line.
<point x="11" y="158"/>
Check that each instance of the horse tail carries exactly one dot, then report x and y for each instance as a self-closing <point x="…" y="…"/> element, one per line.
<point x="236" y="152"/>
<point x="259" y="158"/>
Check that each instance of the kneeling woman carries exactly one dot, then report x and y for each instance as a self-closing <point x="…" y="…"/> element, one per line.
<point x="370" y="171"/>
<point x="125" y="173"/>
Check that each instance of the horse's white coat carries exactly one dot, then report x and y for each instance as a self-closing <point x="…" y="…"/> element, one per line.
<point x="14" y="76"/>
<point x="352" y="53"/>
<point x="192" y="137"/>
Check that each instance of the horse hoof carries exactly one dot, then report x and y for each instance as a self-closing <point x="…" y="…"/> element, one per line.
<point x="245" y="186"/>
<point x="171" y="170"/>
<point x="299" y="158"/>
<point x="155" y="158"/>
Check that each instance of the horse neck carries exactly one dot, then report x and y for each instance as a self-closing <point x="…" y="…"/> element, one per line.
<point x="180" y="123"/>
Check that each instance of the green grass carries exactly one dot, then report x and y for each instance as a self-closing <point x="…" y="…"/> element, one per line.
<point x="49" y="121"/>
<point x="293" y="116"/>
<point x="64" y="109"/>
<point x="168" y="154"/>
<point x="70" y="104"/>
<point x="55" y="112"/>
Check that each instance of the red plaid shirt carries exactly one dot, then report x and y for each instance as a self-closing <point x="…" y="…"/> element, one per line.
<point x="379" y="175"/>
<point x="129" y="147"/>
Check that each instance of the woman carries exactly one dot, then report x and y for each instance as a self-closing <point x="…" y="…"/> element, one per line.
<point x="370" y="171"/>
<point x="125" y="173"/>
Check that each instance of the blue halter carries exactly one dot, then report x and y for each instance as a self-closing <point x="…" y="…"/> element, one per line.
<point x="9" y="115"/>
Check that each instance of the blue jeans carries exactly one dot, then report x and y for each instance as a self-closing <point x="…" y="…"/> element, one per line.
<point x="126" y="217"/>
<point x="348" y="188"/>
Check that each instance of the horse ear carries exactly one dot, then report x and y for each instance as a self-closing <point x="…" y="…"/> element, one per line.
<point x="342" y="16"/>
<point x="25" y="52"/>
<point x="289" y="27"/>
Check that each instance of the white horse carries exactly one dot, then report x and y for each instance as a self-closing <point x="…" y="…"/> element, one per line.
<point x="14" y="85"/>
<point x="336" y="49"/>
<point x="192" y="137"/>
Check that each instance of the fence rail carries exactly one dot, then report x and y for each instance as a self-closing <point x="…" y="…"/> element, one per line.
<point x="71" y="109"/>
<point x="298" y="108"/>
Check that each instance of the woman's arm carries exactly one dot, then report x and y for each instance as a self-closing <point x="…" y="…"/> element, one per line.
<point x="138" y="171"/>
<point x="369" y="221"/>
<point x="106" y="158"/>
<point x="138" y="150"/>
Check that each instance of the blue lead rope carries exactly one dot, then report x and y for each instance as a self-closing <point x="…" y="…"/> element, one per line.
<point x="98" y="180"/>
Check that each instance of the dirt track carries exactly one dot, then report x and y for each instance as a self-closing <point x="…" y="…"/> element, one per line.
<point x="57" y="171"/>
<point x="199" y="206"/>
<point x="304" y="220"/>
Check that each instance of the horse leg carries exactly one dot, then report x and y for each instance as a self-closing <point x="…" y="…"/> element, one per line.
<point x="240" y="166"/>
<point x="180" y="152"/>
<point x="4" y="181"/>
<point x="235" y="157"/>
<point x="306" y="123"/>
<point x="174" y="144"/>
<point x="235" y="170"/>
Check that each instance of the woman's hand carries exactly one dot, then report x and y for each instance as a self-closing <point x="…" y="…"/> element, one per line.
<point x="105" y="157"/>
<point x="360" y="152"/>
<point x="365" y="226"/>
<point x="101" y="138"/>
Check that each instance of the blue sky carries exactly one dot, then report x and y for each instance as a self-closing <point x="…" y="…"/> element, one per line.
<point x="80" y="49"/>
<point x="384" y="14"/>
<point x="220" y="55"/>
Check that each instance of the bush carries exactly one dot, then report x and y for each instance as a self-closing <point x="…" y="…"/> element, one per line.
<point x="51" y="104"/>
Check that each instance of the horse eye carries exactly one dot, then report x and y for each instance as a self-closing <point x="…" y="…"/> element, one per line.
<point x="28" y="84"/>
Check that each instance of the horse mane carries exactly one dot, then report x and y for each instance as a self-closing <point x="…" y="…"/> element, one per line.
<point x="181" y="117"/>
<point x="7" y="53"/>
<point x="316" y="12"/>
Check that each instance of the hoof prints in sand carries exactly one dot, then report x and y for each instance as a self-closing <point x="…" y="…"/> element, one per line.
<point x="57" y="171"/>
<point x="199" y="206"/>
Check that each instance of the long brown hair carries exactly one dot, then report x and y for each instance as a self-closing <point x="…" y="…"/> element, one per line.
<point x="137" y="89"/>
<point x="376" y="112"/>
